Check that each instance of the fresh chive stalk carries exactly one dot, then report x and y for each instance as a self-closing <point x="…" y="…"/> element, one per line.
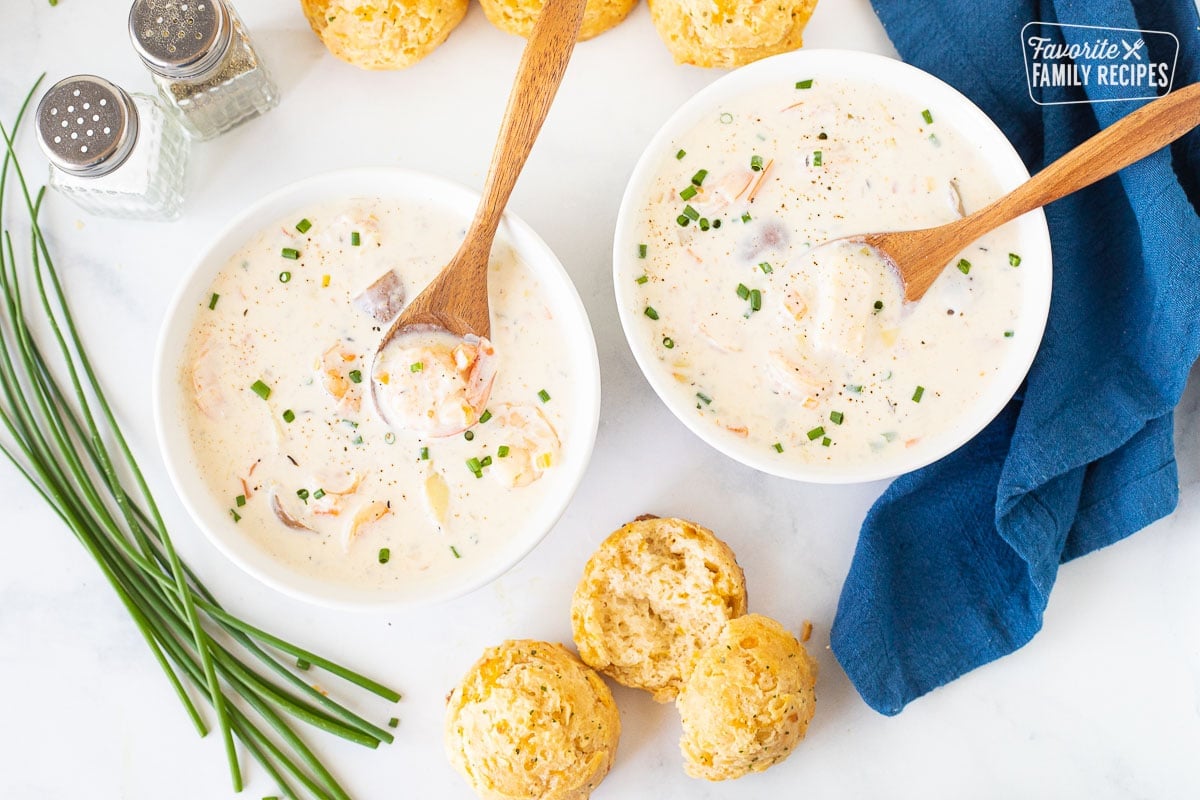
<point x="61" y="435"/>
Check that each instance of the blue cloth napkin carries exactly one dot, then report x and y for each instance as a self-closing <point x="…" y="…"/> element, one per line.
<point x="955" y="563"/>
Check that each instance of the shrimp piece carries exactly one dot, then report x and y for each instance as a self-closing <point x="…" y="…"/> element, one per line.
<point x="331" y="502"/>
<point x="791" y="378"/>
<point x="720" y="344"/>
<point x="206" y="388"/>
<point x="333" y="367"/>
<point x="446" y="383"/>
<point x="367" y="515"/>
<point x="533" y="444"/>
<point x="725" y="191"/>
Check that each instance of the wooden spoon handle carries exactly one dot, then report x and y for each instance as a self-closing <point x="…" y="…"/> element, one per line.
<point x="538" y="76"/>
<point x="1132" y="138"/>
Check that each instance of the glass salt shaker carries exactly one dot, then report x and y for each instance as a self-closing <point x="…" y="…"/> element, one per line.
<point x="202" y="62"/>
<point x="113" y="153"/>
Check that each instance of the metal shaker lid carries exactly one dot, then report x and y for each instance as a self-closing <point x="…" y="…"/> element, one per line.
<point x="180" y="38"/>
<point x="86" y="125"/>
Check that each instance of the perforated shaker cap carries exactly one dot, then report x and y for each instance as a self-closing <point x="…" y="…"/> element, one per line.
<point x="86" y="125"/>
<point x="180" y="38"/>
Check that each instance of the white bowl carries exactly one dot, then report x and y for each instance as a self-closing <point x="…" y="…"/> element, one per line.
<point x="954" y="110"/>
<point x="170" y="401"/>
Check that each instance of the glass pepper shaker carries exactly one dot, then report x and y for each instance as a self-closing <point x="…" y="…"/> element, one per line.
<point x="202" y="62"/>
<point x="113" y="153"/>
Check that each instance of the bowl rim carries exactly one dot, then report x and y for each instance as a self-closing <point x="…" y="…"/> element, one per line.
<point x="179" y="318"/>
<point x="1005" y="166"/>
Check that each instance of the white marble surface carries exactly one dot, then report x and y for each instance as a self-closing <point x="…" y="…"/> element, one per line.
<point x="1104" y="703"/>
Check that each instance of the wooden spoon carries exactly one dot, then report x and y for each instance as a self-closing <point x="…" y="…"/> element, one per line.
<point x="920" y="256"/>
<point x="457" y="299"/>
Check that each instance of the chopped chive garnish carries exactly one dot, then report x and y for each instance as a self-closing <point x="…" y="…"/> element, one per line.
<point x="301" y="664"/>
<point x="212" y="303"/>
<point x="385" y="555"/>
<point x="424" y="453"/>
<point x="468" y="435"/>
<point x="240" y="500"/>
<point x="389" y="438"/>
<point x="836" y="417"/>
<point x="543" y="395"/>
<point x="502" y="451"/>
<point x="303" y="225"/>
<point x="236" y="516"/>
<point x="318" y="494"/>
<point x="302" y="494"/>
<point x="486" y="461"/>
<point x="817" y="160"/>
<point x="816" y="433"/>
<point x="918" y="394"/>
<point x="289" y="416"/>
<point x="934" y="140"/>
<point x="688" y="192"/>
<point x="1008" y="334"/>
<point x="755" y="300"/>
<point x="350" y="422"/>
<point x="454" y="550"/>
<point x="642" y="249"/>
<point x="805" y="84"/>
<point x="355" y="239"/>
<point x="1014" y="260"/>
<point x="704" y="223"/>
<point x="927" y="117"/>
<point x="285" y="276"/>
<point x="726" y="118"/>
<point x="651" y="313"/>
<point x="699" y="177"/>
<point x="668" y="342"/>
<point x="853" y="388"/>
<point x="964" y="266"/>
<point x="778" y="447"/>
<point x="261" y="389"/>
<point x="485" y="416"/>
<point x="679" y="156"/>
<point x="691" y="213"/>
<point x="641" y="279"/>
<point x="766" y="268"/>
<point x="746" y="216"/>
<point x="878" y="305"/>
<point x="416" y="366"/>
<point x="355" y="376"/>
<point x="704" y="398"/>
<point x="756" y="163"/>
<point x="475" y="467"/>
<point x="290" y="252"/>
<point x="743" y="291"/>
<point x="682" y="220"/>
<point x="825" y="442"/>
<point x="393" y="722"/>
<point x="356" y="440"/>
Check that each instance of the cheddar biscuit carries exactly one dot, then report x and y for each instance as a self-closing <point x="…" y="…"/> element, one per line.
<point x="730" y="33"/>
<point x="383" y="34"/>
<point x="653" y="595"/>
<point x="529" y="720"/>
<point x="518" y="16"/>
<point x="748" y="701"/>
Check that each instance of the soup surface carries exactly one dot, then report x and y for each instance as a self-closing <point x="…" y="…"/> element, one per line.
<point x="284" y="417"/>
<point x="809" y="352"/>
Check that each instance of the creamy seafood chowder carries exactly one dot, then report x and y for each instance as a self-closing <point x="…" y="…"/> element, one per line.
<point x="284" y="414"/>
<point x="810" y="354"/>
